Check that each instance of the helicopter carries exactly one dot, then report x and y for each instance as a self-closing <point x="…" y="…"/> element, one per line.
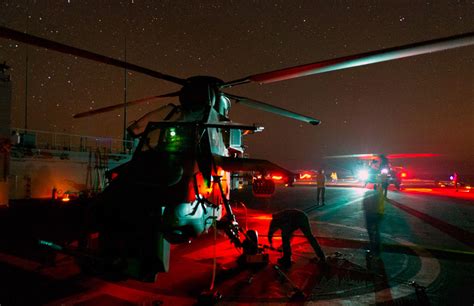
<point x="176" y="186"/>
<point x="370" y="167"/>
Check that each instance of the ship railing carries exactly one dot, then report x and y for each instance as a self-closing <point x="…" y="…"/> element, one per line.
<point x="45" y="140"/>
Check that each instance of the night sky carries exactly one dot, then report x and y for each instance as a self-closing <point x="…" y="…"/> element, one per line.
<point x="423" y="104"/>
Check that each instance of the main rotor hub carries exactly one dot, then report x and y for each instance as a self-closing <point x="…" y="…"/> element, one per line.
<point x="200" y="92"/>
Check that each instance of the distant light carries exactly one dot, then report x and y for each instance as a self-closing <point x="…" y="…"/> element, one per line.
<point x="277" y="177"/>
<point x="173" y="133"/>
<point x="419" y="189"/>
<point x="404" y="174"/>
<point x="66" y="199"/>
<point x="384" y="171"/>
<point x="363" y="174"/>
<point x="305" y="176"/>
<point x="451" y="177"/>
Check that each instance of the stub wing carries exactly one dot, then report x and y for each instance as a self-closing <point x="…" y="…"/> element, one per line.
<point x="250" y="164"/>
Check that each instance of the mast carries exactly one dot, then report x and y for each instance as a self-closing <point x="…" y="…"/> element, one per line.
<point x="26" y="67"/>
<point x="125" y="79"/>
<point x="125" y="97"/>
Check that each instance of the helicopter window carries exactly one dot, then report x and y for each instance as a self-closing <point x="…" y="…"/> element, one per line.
<point x="151" y="140"/>
<point x="173" y="139"/>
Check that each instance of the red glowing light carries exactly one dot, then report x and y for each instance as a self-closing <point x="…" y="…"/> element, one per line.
<point x="411" y="155"/>
<point x="263" y="217"/>
<point x="114" y="175"/>
<point x="404" y="174"/>
<point x="277" y="177"/>
<point x="66" y="199"/>
<point x="419" y="189"/>
<point x="305" y="176"/>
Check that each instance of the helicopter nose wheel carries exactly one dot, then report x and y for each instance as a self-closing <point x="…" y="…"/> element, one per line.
<point x="250" y="244"/>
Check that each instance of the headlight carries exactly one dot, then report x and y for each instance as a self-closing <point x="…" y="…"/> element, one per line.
<point x="363" y="174"/>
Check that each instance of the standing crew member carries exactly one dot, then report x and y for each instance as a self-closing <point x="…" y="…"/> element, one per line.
<point x="288" y="221"/>
<point x="384" y="181"/>
<point x="455" y="181"/>
<point x="321" y="190"/>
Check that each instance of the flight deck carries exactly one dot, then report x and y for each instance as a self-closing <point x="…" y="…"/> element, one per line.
<point x="424" y="238"/>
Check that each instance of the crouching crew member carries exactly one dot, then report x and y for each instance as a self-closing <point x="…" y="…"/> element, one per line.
<point x="288" y="221"/>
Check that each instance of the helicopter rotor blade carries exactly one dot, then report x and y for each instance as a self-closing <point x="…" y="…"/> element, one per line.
<point x="389" y="156"/>
<point x="356" y="60"/>
<point x="52" y="45"/>
<point x="121" y="105"/>
<point x="361" y="156"/>
<point x="272" y="109"/>
<point x="411" y="155"/>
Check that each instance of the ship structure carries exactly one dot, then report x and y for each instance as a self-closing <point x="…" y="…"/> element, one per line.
<point x="41" y="164"/>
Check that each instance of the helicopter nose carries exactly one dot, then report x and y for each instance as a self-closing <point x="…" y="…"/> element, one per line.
<point x="168" y="173"/>
<point x="174" y="173"/>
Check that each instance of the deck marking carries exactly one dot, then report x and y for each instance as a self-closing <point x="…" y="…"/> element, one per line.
<point x="312" y="209"/>
<point x="457" y="233"/>
<point x="427" y="274"/>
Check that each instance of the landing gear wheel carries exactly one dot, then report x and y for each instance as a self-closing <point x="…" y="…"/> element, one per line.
<point x="250" y="244"/>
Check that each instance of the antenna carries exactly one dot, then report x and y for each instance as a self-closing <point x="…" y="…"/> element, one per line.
<point x="125" y="96"/>
<point x="125" y="72"/>
<point x="26" y="65"/>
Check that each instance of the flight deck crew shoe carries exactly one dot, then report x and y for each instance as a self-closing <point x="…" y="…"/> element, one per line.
<point x="284" y="262"/>
<point x="318" y="260"/>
